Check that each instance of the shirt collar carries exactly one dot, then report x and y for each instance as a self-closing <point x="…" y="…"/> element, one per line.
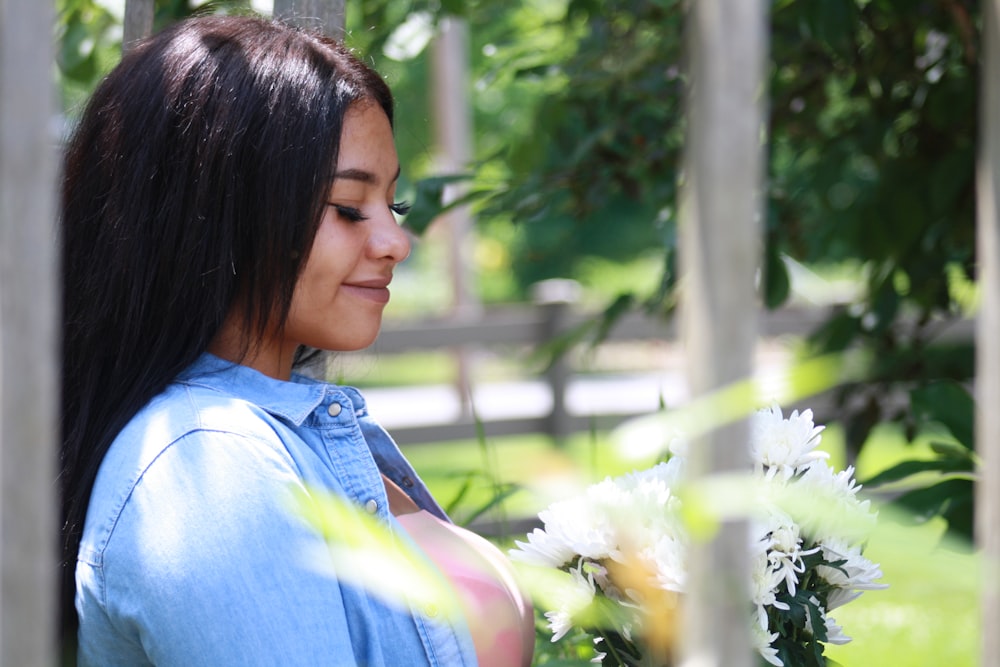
<point x="293" y="400"/>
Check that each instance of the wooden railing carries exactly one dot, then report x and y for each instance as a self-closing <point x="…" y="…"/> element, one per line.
<point x="537" y="327"/>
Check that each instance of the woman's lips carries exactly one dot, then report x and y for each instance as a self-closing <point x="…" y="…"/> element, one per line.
<point x="377" y="292"/>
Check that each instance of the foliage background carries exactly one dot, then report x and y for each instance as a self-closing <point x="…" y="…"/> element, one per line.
<point x="872" y="131"/>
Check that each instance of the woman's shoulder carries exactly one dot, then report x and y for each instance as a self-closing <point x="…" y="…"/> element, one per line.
<point x="191" y="433"/>
<point x="187" y="415"/>
<point x="194" y="500"/>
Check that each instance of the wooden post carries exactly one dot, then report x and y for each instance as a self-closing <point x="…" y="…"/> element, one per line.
<point x="138" y="22"/>
<point x="453" y="139"/>
<point x="555" y="297"/>
<point x="29" y="395"/>
<point x="988" y="334"/>
<point x="719" y="244"/>
<point x="327" y="16"/>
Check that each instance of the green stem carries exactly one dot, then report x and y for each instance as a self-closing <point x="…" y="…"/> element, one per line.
<point x="611" y="649"/>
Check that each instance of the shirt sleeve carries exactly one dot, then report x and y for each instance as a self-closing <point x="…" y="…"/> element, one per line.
<point x="208" y="562"/>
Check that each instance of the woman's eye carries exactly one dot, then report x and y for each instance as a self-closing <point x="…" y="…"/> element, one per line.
<point x="349" y="212"/>
<point x="400" y="208"/>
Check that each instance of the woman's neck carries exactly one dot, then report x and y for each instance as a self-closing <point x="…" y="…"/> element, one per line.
<point x="266" y="355"/>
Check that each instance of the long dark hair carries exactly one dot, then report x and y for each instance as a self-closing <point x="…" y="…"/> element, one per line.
<point x="194" y="183"/>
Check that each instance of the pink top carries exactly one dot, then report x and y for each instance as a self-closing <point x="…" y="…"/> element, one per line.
<point x="499" y="614"/>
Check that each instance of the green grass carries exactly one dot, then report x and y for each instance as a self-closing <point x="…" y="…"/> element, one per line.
<point x="544" y="471"/>
<point x="532" y="462"/>
<point x="396" y="370"/>
<point x="927" y="617"/>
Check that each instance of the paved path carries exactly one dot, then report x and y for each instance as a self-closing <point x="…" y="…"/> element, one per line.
<point x="585" y="395"/>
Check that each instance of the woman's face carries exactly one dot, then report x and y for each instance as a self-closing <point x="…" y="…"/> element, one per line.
<point x="343" y="287"/>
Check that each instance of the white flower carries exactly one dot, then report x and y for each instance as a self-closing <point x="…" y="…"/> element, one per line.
<point x="574" y="527"/>
<point x="649" y="485"/>
<point x="761" y="640"/>
<point x="571" y="599"/>
<point x="633" y="511"/>
<point x="834" y="633"/>
<point x="560" y="622"/>
<point x="543" y="549"/>
<point x="826" y="505"/>
<point x="782" y="447"/>
<point x="763" y="588"/>
<point x="668" y="563"/>
<point x="633" y="524"/>
<point x="850" y="578"/>
<point x="677" y="445"/>
<point x="843" y="484"/>
<point x="780" y="539"/>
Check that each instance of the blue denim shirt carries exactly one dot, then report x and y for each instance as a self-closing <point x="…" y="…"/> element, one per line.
<point x="191" y="555"/>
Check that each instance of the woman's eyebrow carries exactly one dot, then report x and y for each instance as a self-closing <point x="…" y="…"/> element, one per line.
<point x="362" y="175"/>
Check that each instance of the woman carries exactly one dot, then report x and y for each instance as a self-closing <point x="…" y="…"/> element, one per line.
<point x="228" y="201"/>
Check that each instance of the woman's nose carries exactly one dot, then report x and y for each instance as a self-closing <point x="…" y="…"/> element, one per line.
<point x="389" y="240"/>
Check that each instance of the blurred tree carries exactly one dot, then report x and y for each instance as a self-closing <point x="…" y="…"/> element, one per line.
<point x="871" y="165"/>
<point x="595" y="176"/>
<point x="578" y="127"/>
<point x="872" y="146"/>
<point x="872" y="161"/>
<point x="874" y="131"/>
<point x="88" y="35"/>
<point x="89" y="38"/>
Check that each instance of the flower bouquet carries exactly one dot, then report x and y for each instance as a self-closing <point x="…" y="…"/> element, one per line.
<point x="624" y="543"/>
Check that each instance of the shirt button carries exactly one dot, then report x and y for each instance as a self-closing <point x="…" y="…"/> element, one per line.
<point x="334" y="409"/>
<point x="407" y="482"/>
<point x="431" y="610"/>
<point x="371" y="506"/>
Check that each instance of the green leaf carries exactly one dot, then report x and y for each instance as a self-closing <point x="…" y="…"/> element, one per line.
<point x="936" y="500"/>
<point x="428" y="200"/>
<point x="954" y="450"/>
<point x="836" y="333"/>
<point x="621" y="305"/>
<point x="949" y="404"/>
<point x="885" y="306"/>
<point x="76" y="53"/>
<point x="459" y="496"/>
<point x="960" y="513"/>
<point x="454" y="7"/>
<point x="500" y="494"/>
<point x="833" y="22"/>
<point x="906" y="469"/>
<point x="949" y="177"/>
<point x="777" y="285"/>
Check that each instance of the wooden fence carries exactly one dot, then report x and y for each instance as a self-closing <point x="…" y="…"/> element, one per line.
<point x="719" y="220"/>
<point x="540" y="328"/>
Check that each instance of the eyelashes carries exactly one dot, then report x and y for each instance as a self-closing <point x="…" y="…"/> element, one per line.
<point x="352" y="214"/>
<point x="400" y="208"/>
<point x="349" y="213"/>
